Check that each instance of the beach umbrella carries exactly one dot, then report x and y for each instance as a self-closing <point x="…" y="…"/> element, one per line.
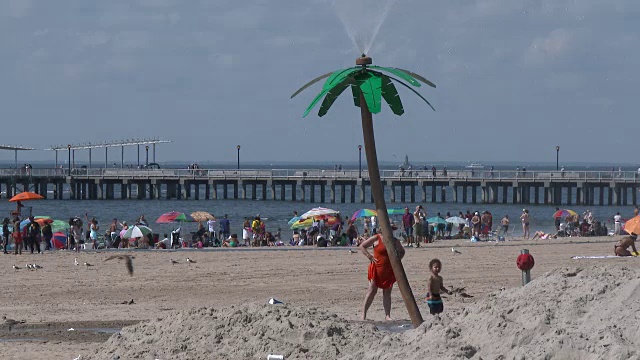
<point x="395" y="211"/>
<point x="564" y="213"/>
<point x="41" y="220"/>
<point x="633" y="225"/>
<point x="202" y="216"/>
<point x="362" y="213"/>
<point x="456" y="220"/>
<point x="436" y="220"/>
<point x="59" y="225"/>
<point x="170" y="217"/>
<point x="293" y="220"/>
<point x="59" y="240"/>
<point x="317" y="212"/>
<point x="136" y="231"/>
<point x="305" y="223"/>
<point x="25" y="196"/>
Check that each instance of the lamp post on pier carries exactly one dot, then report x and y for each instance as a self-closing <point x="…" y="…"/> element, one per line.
<point x="146" y="148"/>
<point x="69" y="161"/>
<point x="238" y="157"/>
<point x="360" y="161"/>
<point x="557" y="158"/>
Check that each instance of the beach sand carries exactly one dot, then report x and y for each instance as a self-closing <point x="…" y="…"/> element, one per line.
<point x="62" y="296"/>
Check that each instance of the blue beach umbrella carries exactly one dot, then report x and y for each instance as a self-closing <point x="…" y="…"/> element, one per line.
<point x="436" y="220"/>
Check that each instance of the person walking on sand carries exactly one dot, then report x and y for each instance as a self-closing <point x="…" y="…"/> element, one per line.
<point x="505" y="225"/>
<point x="380" y="273"/>
<point x="407" y="222"/>
<point x="17" y="236"/>
<point x="525" y="223"/>
<point x="5" y="235"/>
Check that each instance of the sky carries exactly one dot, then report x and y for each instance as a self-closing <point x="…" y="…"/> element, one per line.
<point x="515" y="78"/>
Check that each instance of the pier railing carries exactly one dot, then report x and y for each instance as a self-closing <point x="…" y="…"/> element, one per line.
<point x="548" y="175"/>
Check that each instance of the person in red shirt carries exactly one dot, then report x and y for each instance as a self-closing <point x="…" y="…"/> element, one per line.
<point x="407" y="222"/>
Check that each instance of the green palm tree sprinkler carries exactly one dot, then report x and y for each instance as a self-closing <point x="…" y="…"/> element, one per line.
<point x="369" y="85"/>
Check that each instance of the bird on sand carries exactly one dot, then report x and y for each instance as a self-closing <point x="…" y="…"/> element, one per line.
<point x="75" y="262"/>
<point x="352" y="251"/>
<point x="455" y="251"/>
<point x="191" y="261"/>
<point x="127" y="261"/>
<point x="460" y="291"/>
<point x="173" y="262"/>
<point x="16" y="268"/>
<point x="10" y="322"/>
<point x="36" y="266"/>
<point x="28" y="266"/>
<point x="87" y="264"/>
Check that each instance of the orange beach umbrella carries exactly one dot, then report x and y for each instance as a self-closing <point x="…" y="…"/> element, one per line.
<point x="633" y="225"/>
<point x="27" y="195"/>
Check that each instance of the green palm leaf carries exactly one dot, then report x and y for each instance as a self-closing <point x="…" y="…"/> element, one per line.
<point x="355" y="92"/>
<point x="408" y="87"/>
<point x="408" y="78"/>
<point x="391" y="96"/>
<point x="336" y="78"/>
<point x="310" y="83"/>
<point x="333" y="94"/>
<point x="371" y="87"/>
<point x="419" y="77"/>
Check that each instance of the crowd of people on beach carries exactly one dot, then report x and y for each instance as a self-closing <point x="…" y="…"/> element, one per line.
<point x="415" y="228"/>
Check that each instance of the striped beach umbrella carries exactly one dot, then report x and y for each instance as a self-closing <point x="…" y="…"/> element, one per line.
<point x="363" y="213"/>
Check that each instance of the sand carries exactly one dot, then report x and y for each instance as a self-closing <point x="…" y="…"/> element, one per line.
<point x="324" y="288"/>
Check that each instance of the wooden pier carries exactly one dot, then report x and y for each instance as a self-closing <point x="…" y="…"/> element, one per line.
<point x="328" y="186"/>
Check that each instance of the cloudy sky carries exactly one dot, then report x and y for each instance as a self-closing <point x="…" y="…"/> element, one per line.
<point x="515" y="78"/>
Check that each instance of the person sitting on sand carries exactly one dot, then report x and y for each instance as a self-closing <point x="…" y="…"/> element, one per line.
<point x="164" y="243"/>
<point x="542" y="235"/>
<point x="231" y="241"/>
<point x="380" y="273"/>
<point x="621" y="248"/>
<point x="435" y="284"/>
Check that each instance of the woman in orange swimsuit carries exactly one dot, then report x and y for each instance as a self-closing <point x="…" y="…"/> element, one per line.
<point x="380" y="273"/>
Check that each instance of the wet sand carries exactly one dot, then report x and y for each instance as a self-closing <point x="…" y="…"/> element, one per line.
<point x="61" y="296"/>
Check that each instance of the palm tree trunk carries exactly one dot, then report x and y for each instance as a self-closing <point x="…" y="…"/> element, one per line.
<point x="383" y="216"/>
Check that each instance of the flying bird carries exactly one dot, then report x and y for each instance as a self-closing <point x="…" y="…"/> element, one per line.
<point x="191" y="261"/>
<point x="127" y="261"/>
<point x="455" y="251"/>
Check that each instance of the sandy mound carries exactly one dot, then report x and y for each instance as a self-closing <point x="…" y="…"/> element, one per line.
<point x="565" y="314"/>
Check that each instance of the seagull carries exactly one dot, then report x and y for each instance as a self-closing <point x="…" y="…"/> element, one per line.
<point x="75" y="262"/>
<point x="28" y="266"/>
<point x="191" y="261"/>
<point x="173" y="262"/>
<point x="87" y="264"/>
<point x="127" y="261"/>
<point x="455" y="251"/>
<point x="16" y="268"/>
<point x="352" y="251"/>
<point x="36" y="266"/>
<point x="130" y="302"/>
<point x="10" y="322"/>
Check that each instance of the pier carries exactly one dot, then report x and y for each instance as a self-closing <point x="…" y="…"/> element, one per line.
<point x="328" y="186"/>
